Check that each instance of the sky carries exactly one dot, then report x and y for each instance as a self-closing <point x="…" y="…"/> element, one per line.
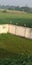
<point x="17" y="2"/>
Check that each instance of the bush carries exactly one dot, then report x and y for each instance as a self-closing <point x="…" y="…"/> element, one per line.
<point x="4" y="11"/>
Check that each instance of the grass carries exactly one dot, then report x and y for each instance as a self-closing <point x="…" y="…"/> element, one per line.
<point x="15" y="50"/>
<point x="15" y="44"/>
<point x="14" y="18"/>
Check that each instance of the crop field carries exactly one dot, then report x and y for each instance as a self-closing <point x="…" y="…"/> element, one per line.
<point x="14" y="17"/>
<point x="15" y="50"/>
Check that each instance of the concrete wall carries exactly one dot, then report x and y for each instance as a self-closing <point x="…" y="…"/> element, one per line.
<point x="16" y="30"/>
<point x="31" y="34"/>
<point x="3" y="28"/>
<point x="11" y="29"/>
<point x="27" y="32"/>
<point x="21" y="31"/>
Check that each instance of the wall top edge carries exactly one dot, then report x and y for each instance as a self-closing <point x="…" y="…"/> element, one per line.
<point x="16" y="25"/>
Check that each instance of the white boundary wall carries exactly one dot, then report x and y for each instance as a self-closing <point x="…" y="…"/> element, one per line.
<point x="3" y="28"/>
<point x="16" y="30"/>
<point x="11" y="29"/>
<point x="21" y="31"/>
<point x="28" y="33"/>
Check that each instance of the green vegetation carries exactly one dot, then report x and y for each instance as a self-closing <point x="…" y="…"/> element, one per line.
<point x="15" y="44"/>
<point x="15" y="50"/>
<point x="17" y="8"/>
<point x="14" y="17"/>
<point x="19" y="60"/>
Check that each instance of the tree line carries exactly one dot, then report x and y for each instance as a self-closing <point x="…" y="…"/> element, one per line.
<point x="25" y="9"/>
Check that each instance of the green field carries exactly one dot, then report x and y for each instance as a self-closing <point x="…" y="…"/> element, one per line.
<point x="14" y="17"/>
<point x="15" y="50"/>
<point x="15" y="44"/>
